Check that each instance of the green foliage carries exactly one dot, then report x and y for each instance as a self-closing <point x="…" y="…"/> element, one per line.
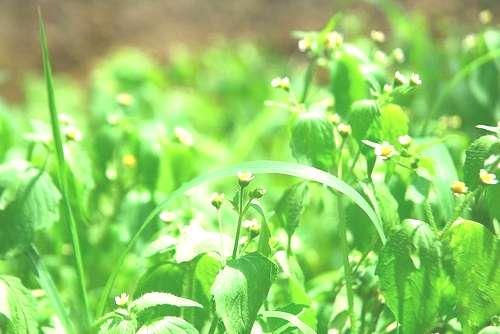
<point x="312" y="140"/>
<point x="290" y="207"/>
<point x="17" y="306"/>
<point x="471" y="258"/>
<point x="240" y="289"/>
<point x="475" y="157"/>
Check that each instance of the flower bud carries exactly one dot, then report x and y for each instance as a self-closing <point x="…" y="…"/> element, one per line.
<point x="244" y="178"/>
<point x="344" y="129"/>
<point x="257" y="193"/>
<point x="217" y="199"/>
<point x="459" y="188"/>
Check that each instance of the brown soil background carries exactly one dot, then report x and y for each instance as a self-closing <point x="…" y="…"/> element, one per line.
<point x="83" y="31"/>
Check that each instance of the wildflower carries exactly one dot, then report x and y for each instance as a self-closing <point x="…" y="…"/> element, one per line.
<point x="113" y="119"/>
<point x="125" y="99"/>
<point x="217" y="199"/>
<point x="405" y="140"/>
<point x="72" y="133"/>
<point x="459" y="188"/>
<point x="469" y="41"/>
<point x="487" y="178"/>
<point x="398" y="55"/>
<point x="334" y="40"/>
<point x="244" y="178"/>
<point x="400" y="79"/>
<point x="334" y="118"/>
<point x="129" y="160"/>
<point x="122" y="300"/>
<point x="415" y="79"/>
<point x="384" y="151"/>
<point x="344" y="129"/>
<point x="305" y="44"/>
<point x="281" y="83"/>
<point x="485" y="16"/>
<point x="377" y="36"/>
<point x="380" y="57"/>
<point x="258" y="193"/>
<point x="167" y="216"/>
<point x="183" y="136"/>
<point x="65" y="119"/>
<point x="252" y="225"/>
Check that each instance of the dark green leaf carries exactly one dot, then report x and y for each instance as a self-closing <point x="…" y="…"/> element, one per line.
<point x="290" y="207"/>
<point x="475" y="156"/>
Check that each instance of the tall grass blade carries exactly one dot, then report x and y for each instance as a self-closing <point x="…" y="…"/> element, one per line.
<point x="61" y="171"/>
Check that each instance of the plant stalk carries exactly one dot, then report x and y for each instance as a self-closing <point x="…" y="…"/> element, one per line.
<point x="308" y="79"/>
<point x="238" y="228"/>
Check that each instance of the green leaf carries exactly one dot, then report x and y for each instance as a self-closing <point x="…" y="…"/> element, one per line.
<point x="240" y="289"/>
<point x="312" y="140"/>
<point x="168" y="325"/>
<point x="476" y="154"/>
<point x="29" y="201"/>
<point x="290" y="207"/>
<point x="265" y="234"/>
<point x="122" y="326"/>
<point x="364" y="114"/>
<point x="18" y="306"/>
<point x="490" y="330"/>
<point x="393" y="123"/>
<point x="161" y="298"/>
<point x="291" y="318"/>
<point x="347" y="81"/>
<point x="472" y="256"/>
<point x="409" y="268"/>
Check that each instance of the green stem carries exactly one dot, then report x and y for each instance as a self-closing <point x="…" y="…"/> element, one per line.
<point x="213" y="325"/>
<point x="347" y="267"/>
<point x="62" y="174"/>
<point x="47" y="284"/>
<point x="221" y="236"/>
<point x="308" y="79"/>
<point x="238" y="228"/>
<point x="429" y="214"/>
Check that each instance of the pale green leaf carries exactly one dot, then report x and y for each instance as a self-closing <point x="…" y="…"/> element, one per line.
<point x="291" y="318"/>
<point x="161" y="298"/>
<point x="18" y="306"/>
<point x="168" y="325"/>
<point x="240" y="289"/>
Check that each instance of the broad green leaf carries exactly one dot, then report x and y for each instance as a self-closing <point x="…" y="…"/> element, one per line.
<point x="18" y="306"/>
<point x="472" y="256"/>
<point x="475" y="156"/>
<point x="409" y="268"/>
<point x="29" y="201"/>
<point x="121" y="326"/>
<point x="161" y="298"/>
<point x="312" y="140"/>
<point x="364" y="114"/>
<point x="291" y="318"/>
<point x="240" y="289"/>
<point x="168" y="325"/>
<point x="393" y="123"/>
<point x="290" y="207"/>
<point x="347" y="80"/>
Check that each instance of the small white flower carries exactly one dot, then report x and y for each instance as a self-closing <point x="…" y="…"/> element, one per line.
<point x="334" y="118"/>
<point x="377" y="36"/>
<point x="398" y="55"/>
<point x="65" y="119"/>
<point x="183" y="136"/>
<point x="344" y="129"/>
<point x="167" y="216"/>
<point x="334" y="40"/>
<point x="281" y="82"/>
<point x="405" y="140"/>
<point x="487" y="178"/>
<point x="485" y="16"/>
<point x="469" y="42"/>
<point x="122" y="299"/>
<point x="400" y="79"/>
<point x="244" y="178"/>
<point x="384" y="151"/>
<point x="72" y="133"/>
<point x="388" y="88"/>
<point x="251" y="224"/>
<point x="415" y="79"/>
<point x="305" y="44"/>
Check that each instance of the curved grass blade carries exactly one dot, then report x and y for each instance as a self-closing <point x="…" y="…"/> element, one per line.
<point x="256" y="167"/>
<point x="291" y="318"/>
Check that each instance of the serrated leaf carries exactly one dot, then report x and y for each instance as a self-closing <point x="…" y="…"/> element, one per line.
<point x="168" y="325"/>
<point x="240" y="289"/>
<point x="409" y="268"/>
<point x="290" y="207"/>
<point x="312" y="140"/>
<point x="161" y="298"/>
<point x="363" y="115"/>
<point x="18" y="306"/>
<point x="29" y="201"/>
<point x="471" y="254"/>
<point x="476" y="154"/>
